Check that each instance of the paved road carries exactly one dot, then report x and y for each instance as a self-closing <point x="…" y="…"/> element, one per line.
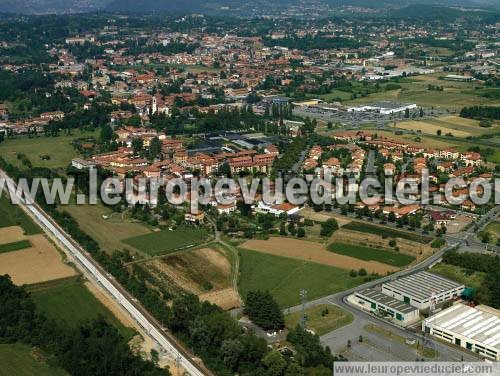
<point x="361" y="318"/>
<point x="100" y="277"/>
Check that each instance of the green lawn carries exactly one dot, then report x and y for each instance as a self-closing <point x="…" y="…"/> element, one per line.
<point x="166" y="241"/>
<point x="59" y="149"/>
<point x="284" y="277"/>
<point x="386" y="231"/>
<point x="14" y="246"/>
<point x="21" y="360"/>
<point x="71" y="302"/>
<point x="385" y="256"/>
<point x="460" y="275"/>
<point x="99" y="222"/>
<point x="12" y="215"/>
<point x="322" y="318"/>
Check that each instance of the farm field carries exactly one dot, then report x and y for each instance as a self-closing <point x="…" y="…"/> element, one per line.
<point x="457" y="126"/>
<point x="14" y="246"/>
<point x="314" y="252"/>
<point x="285" y="277"/>
<point x="58" y="148"/>
<point x="460" y="275"/>
<point x="39" y="263"/>
<point x="166" y="241"/>
<point x="12" y="215"/>
<point x="22" y="360"/>
<point x="454" y="96"/>
<point x="91" y="220"/>
<point x="385" y="256"/>
<point x="206" y="272"/>
<point x="322" y="318"/>
<point x="388" y="232"/>
<point x="71" y="302"/>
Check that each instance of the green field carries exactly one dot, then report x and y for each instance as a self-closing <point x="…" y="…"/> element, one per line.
<point x="494" y="229"/>
<point x="284" y="277"/>
<point x="386" y="231"/>
<point x="71" y="302"/>
<point x="385" y="256"/>
<point x="166" y="241"/>
<point x="460" y="275"/>
<point x="322" y="318"/>
<point x="99" y="222"/>
<point x="59" y="149"/>
<point x="12" y="215"/>
<point x="454" y="96"/>
<point x="21" y="360"/>
<point x="14" y="246"/>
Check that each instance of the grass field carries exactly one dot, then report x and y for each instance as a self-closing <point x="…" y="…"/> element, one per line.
<point x="71" y="302"/>
<point x="59" y="149"/>
<point x="457" y="126"/>
<point x="22" y="360"/>
<point x="494" y="229"/>
<point x="386" y="231"/>
<point x="460" y="275"/>
<point x="284" y="277"/>
<point x="12" y="215"/>
<point x="163" y="242"/>
<point x="385" y="256"/>
<point x="454" y="96"/>
<point x="322" y="318"/>
<point x="14" y="246"/>
<point x="91" y="220"/>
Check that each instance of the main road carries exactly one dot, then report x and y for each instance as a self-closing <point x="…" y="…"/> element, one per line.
<point x="99" y="276"/>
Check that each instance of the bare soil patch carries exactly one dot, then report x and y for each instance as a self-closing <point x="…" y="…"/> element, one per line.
<point x="204" y="272"/>
<point x="40" y="263"/>
<point x="324" y="216"/>
<point x="11" y="234"/>
<point x="314" y="252"/>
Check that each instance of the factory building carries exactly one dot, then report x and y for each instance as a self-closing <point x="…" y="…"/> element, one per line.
<point x="423" y="290"/>
<point x="474" y="328"/>
<point x="375" y="301"/>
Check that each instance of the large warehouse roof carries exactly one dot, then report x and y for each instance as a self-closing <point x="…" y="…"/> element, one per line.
<point x="422" y="285"/>
<point x="481" y="323"/>
<point x="378" y="297"/>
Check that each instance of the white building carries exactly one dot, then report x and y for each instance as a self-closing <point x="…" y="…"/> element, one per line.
<point x="372" y="300"/>
<point x="474" y="328"/>
<point x="384" y="108"/>
<point x="423" y="289"/>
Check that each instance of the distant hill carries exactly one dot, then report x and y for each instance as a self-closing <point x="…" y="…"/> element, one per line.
<point x="174" y="6"/>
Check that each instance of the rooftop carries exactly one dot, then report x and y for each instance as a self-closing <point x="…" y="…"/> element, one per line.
<point x="387" y="300"/>
<point x="422" y="285"/>
<point x="480" y="323"/>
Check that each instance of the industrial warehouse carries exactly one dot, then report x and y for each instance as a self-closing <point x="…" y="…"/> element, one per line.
<point x="475" y="328"/>
<point x="423" y="290"/>
<point x="374" y="301"/>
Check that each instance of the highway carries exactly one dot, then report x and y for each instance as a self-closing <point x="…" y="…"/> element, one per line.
<point x="99" y="276"/>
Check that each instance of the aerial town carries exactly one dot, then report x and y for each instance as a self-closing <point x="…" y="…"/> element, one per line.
<point x="368" y="138"/>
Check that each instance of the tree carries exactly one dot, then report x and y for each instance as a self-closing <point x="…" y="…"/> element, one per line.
<point x="231" y="350"/>
<point x="438" y="132"/>
<point x="328" y="227"/>
<point x="310" y="352"/>
<point x="263" y="310"/>
<point x="275" y="363"/>
<point x="301" y="233"/>
<point x="106" y="134"/>
<point x="137" y="146"/>
<point x="362" y="272"/>
<point x="154" y="148"/>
